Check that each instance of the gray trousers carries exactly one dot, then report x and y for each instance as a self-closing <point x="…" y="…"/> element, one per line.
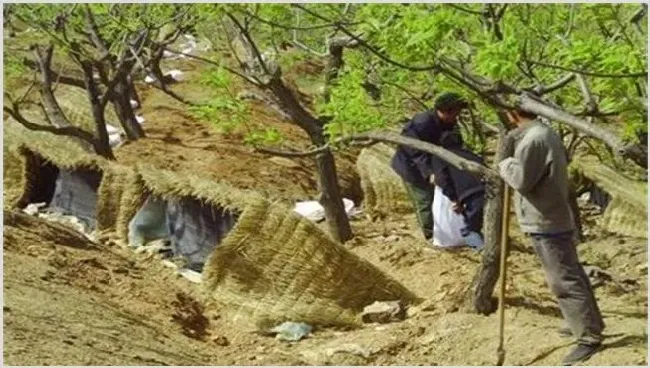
<point x="571" y="286"/>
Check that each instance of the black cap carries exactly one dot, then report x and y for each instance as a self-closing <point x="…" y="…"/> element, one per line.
<point x="449" y="101"/>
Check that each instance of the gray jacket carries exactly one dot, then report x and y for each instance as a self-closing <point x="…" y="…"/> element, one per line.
<point x="538" y="173"/>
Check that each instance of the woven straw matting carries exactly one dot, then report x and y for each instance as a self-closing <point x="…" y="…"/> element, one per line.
<point x="383" y="189"/>
<point x="627" y="212"/>
<point x="277" y="266"/>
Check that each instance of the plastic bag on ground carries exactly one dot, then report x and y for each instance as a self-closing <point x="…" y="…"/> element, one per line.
<point x="314" y="211"/>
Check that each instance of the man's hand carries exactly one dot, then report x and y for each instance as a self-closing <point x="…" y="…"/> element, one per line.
<point x="457" y="207"/>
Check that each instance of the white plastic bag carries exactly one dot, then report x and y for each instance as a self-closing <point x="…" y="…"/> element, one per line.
<point x="315" y="212"/>
<point x="446" y="222"/>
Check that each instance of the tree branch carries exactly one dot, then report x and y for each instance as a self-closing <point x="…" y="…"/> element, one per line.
<point x="288" y="154"/>
<point x="288" y="27"/>
<point x="211" y="62"/>
<point x="250" y="43"/>
<point x="53" y="111"/>
<point x="560" y="83"/>
<point x="71" y="131"/>
<point x="592" y="74"/>
<point x="395" y="138"/>
<point x="590" y="103"/>
<point x="465" y="10"/>
<point x="94" y="34"/>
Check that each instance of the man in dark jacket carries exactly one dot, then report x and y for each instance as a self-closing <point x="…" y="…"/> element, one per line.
<point x="416" y="167"/>
<point x="464" y="189"/>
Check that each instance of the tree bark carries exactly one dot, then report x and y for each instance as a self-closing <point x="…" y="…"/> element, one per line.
<point x="335" y="48"/>
<point x="480" y="291"/>
<point x="101" y="144"/>
<point x="330" y="194"/>
<point x="122" y="105"/>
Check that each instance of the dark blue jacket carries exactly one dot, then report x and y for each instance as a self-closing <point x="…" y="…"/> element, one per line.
<point x="456" y="184"/>
<point x="415" y="166"/>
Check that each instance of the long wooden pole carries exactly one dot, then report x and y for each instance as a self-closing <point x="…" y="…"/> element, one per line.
<point x="502" y="271"/>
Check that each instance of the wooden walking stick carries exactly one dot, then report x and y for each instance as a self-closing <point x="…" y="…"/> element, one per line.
<point x="505" y="225"/>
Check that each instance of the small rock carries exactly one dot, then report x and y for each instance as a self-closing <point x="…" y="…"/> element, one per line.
<point x="383" y="312"/>
<point x="221" y="341"/>
<point x="643" y="269"/>
<point x="6" y="309"/>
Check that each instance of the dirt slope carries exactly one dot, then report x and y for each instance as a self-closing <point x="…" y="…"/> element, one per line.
<point x="69" y="301"/>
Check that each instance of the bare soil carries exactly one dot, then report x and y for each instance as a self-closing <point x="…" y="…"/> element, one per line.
<point x="69" y="301"/>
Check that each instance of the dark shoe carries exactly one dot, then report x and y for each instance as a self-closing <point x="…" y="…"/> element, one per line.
<point x="564" y="332"/>
<point x="581" y="353"/>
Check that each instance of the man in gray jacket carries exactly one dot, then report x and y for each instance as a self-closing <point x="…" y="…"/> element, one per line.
<point x="538" y="174"/>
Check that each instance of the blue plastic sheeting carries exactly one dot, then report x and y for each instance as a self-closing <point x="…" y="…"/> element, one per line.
<point x="75" y="194"/>
<point x="149" y="223"/>
<point x="195" y="229"/>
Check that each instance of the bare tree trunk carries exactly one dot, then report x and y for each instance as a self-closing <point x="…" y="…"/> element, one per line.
<point x="330" y="194"/>
<point x="124" y="111"/>
<point x="482" y="286"/>
<point x="101" y="144"/>
<point x="133" y="92"/>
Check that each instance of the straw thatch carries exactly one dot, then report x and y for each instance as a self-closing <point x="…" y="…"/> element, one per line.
<point x="167" y="184"/>
<point x="626" y="213"/>
<point x="277" y="266"/>
<point x="38" y="149"/>
<point x="383" y="189"/>
<point x="273" y="266"/>
<point x="114" y="203"/>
